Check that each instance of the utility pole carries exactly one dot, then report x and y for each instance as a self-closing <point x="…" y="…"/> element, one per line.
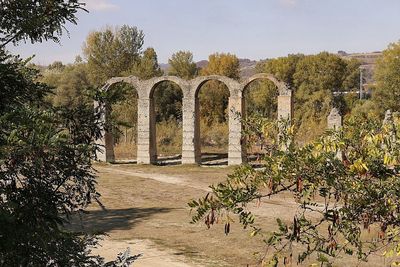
<point x="361" y="83"/>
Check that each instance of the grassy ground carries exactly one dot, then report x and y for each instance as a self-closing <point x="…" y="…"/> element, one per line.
<point x="149" y="203"/>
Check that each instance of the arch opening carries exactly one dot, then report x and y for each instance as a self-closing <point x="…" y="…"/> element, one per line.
<point x="212" y="122"/>
<point x="123" y="112"/>
<point x="260" y="109"/>
<point x="166" y="123"/>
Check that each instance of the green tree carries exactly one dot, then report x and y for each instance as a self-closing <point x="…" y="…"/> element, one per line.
<point x="261" y="99"/>
<point x="56" y="65"/>
<point x="346" y="205"/>
<point x="168" y="102"/>
<point x="386" y="93"/>
<point x="261" y="96"/>
<point x="46" y="152"/>
<point x="351" y="81"/>
<point x="315" y="80"/>
<point x="182" y="65"/>
<point x="19" y="23"/>
<point x="70" y="83"/>
<point x="125" y="111"/>
<point x="283" y="68"/>
<point x="45" y="172"/>
<point x="110" y="53"/>
<point x="168" y="95"/>
<point x="147" y="66"/>
<point x="322" y="72"/>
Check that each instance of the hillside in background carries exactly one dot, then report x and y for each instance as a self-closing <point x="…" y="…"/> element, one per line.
<point x="248" y="66"/>
<point x="367" y="60"/>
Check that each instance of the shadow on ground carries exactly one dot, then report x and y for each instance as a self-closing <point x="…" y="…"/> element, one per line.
<point x="111" y="219"/>
<point x="214" y="159"/>
<point x="207" y="159"/>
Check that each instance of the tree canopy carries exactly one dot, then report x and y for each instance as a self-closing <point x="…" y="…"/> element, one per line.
<point x="314" y="79"/>
<point x="386" y="92"/>
<point x="111" y="52"/>
<point x="46" y="151"/>
<point x="182" y="65"/>
<point x="37" y="20"/>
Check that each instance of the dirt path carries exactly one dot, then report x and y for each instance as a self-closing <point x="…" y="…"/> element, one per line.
<point x="146" y="209"/>
<point x="272" y="209"/>
<point x="163" y="178"/>
<point x="152" y="255"/>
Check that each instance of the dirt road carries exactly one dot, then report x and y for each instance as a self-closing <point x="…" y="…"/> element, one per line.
<point x="145" y="208"/>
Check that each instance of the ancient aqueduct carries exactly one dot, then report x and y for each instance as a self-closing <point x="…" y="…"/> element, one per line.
<point x="191" y="154"/>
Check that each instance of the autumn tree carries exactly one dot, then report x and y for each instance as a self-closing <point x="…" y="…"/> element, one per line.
<point x="213" y="95"/>
<point x="386" y="93"/>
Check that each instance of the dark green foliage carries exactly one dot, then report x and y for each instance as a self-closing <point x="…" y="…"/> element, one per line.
<point x="46" y="172"/>
<point x="35" y="20"/>
<point x="46" y="151"/>
<point x="168" y="102"/>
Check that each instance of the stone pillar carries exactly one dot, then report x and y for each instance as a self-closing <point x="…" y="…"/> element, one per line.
<point x="388" y="117"/>
<point x="285" y="105"/>
<point x="388" y="123"/>
<point x="106" y="142"/>
<point x="236" y="155"/>
<point x="191" y="153"/>
<point x="146" y="143"/>
<point x="285" y="112"/>
<point x="335" y="120"/>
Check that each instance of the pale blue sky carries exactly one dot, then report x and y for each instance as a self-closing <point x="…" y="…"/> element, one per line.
<point x="254" y="29"/>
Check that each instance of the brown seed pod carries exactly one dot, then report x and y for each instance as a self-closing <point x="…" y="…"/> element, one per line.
<point x="299" y="184"/>
<point x="227" y="228"/>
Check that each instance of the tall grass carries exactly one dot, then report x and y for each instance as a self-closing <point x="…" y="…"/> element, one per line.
<point x="169" y="138"/>
<point x="214" y="138"/>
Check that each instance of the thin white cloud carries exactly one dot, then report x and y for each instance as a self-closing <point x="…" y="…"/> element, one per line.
<point x="100" y="5"/>
<point x="288" y="3"/>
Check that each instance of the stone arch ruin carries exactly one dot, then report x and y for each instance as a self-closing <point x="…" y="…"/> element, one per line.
<point x="191" y="154"/>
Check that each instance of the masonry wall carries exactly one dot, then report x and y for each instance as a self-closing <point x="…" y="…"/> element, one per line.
<point x="191" y="153"/>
